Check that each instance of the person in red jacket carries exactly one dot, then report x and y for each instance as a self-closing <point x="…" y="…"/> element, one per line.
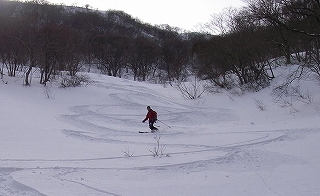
<point x="152" y="116"/>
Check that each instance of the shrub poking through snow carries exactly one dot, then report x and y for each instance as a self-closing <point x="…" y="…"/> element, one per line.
<point x="74" y="81"/>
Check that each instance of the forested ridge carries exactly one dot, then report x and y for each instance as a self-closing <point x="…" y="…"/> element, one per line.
<point x="244" y="43"/>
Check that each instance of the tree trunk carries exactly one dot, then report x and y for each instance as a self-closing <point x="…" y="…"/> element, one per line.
<point x="27" y="83"/>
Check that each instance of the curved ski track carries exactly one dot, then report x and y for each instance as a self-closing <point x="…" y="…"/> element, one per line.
<point x="119" y="123"/>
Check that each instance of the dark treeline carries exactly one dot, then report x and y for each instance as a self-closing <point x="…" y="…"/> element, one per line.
<point x="252" y="37"/>
<point x="55" y="38"/>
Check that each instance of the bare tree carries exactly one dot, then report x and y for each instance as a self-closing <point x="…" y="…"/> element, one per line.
<point x="143" y="55"/>
<point x="176" y="57"/>
<point x="111" y="52"/>
<point x="244" y="51"/>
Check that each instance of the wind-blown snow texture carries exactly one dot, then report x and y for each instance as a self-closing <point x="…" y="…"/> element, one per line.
<point x="85" y="141"/>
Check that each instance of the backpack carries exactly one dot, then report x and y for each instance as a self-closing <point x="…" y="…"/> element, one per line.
<point x="154" y="115"/>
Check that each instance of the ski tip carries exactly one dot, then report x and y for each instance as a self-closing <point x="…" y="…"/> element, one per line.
<point x="152" y="131"/>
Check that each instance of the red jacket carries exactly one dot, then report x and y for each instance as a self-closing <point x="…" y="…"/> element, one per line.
<point x="151" y="115"/>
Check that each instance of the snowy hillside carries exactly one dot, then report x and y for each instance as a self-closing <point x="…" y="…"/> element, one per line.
<point x="84" y="141"/>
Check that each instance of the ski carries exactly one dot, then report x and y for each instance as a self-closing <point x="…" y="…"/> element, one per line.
<point x="153" y="131"/>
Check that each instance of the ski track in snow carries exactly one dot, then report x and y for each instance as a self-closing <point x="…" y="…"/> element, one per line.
<point x="99" y="123"/>
<point x="10" y="187"/>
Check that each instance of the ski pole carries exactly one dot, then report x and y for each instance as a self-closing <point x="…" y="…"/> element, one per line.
<point x="164" y="123"/>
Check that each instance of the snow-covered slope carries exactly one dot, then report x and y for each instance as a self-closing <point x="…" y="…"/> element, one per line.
<point x="85" y="141"/>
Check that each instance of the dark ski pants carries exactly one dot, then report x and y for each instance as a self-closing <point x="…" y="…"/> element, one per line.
<point x="151" y="122"/>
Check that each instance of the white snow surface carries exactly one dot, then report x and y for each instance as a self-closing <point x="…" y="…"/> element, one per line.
<point x="84" y="141"/>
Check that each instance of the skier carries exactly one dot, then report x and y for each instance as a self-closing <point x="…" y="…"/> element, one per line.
<point x="152" y="116"/>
